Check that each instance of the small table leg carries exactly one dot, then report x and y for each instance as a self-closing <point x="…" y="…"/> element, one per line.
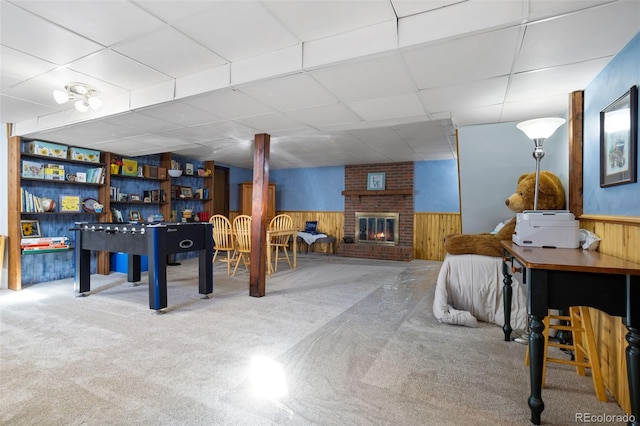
<point x="536" y="354"/>
<point x="506" y="301"/>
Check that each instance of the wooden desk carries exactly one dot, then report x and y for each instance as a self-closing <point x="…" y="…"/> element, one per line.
<point x="270" y="234"/>
<point x="559" y="278"/>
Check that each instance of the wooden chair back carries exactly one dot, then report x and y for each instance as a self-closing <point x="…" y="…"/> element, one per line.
<point x="242" y="230"/>
<point x="279" y="223"/>
<point x="223" y="239"/>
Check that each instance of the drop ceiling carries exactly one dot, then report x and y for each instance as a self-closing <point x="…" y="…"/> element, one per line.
<point x="333" y="82"/>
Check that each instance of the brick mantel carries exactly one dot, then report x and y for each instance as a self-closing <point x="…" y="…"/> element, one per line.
<point x="397" y="197"/>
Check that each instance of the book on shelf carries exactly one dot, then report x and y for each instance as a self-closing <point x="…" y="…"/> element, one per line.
<point x="43" y="244"/>
<point x="96" y="175"/>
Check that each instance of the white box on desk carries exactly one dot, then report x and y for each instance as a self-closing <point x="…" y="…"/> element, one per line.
<point x="546" y="228"/>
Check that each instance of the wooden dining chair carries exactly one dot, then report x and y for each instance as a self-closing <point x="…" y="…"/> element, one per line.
<point x="223" y="239"/>
<point x="242" y="231"/>
<point x="280" y="222"/>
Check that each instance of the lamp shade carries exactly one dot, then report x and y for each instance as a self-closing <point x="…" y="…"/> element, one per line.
<point x="81" y="106"/>
<point x="60" y="96"/>
<point x="540" y="128"/>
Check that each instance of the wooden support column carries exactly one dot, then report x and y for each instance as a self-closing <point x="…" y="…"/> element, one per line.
<point x="259" y="201"/>
<point x="576" y="109"/>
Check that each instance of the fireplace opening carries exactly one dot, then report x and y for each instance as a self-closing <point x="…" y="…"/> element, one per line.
<point x="377" y="228"/>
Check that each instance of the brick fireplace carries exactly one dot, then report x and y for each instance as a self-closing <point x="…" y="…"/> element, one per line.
<point x="396" y="197"/>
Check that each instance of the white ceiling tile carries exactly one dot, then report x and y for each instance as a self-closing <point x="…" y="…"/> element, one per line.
<point x="539" y="9"/>
<point x="403" y="105"/>
<point x="592" y="33"/>
<point x="480" y="115"/>
<point x="290" y="92"/>
<point x="170" y="52"/>
<point x="21" y="66"/>
<point x="59" y="77"/>
<point x="371" y="40"/>
<point x="118" y="70"/>
<point x="459" y="19"/>
<point x="180" y="113"/>
<point x="355" y="88"/>
<point x="382" y="76"/>
<point x="324" y="115"/>
<point x="141" y="123"/>
<point x="13" y="110"/>
<point x="118" y="20"/>
<point x="377" y="136"/>
<point x="483" y="92"/>
<point x="548" y="106"/>
<point x="152" y="95"/>
<point x="228" y="103"/>
<point x="203" y="81"/>
<point x="466" y="59"/>
<point x="173" y="11"/>
<point x="313" y="20"/>
<point x="37" y="37"/>
<point x="271" y="122"/>
<point x="413" y="7"/>
<point x="272" y="64"/>
<point x="554" y="81"/>
<point x="237" y="30"/>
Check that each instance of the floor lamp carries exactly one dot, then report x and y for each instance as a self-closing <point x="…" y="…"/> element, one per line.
<point x="538" y="130"/>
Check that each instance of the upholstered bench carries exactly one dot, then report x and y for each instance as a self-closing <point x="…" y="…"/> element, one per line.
<point x="330" y="241"/>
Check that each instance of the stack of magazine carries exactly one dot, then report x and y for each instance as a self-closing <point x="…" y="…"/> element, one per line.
<point x="44" y="244"/>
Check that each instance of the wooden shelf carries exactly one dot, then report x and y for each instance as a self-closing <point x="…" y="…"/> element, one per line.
<point x="365" y="193"/>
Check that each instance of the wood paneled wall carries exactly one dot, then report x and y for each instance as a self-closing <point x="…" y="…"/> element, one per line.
<point x="620" y="237"/>
<point x="429" y="229"/>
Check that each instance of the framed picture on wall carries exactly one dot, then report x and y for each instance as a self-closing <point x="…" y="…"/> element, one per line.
<point x="376" y="181"/>
<point x="619" y="140"/>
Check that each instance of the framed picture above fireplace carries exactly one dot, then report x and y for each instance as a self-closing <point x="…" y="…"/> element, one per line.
<point x="376" y="181"/>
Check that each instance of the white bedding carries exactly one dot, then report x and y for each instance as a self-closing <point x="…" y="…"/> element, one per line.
<point x="469" y="289"/>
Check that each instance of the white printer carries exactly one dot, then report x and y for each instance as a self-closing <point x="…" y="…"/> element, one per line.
<point x="547" y="228"/>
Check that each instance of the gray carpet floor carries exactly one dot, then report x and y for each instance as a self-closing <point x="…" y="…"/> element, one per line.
<point x="339" y="341"/>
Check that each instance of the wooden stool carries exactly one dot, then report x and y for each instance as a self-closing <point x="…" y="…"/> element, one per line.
<point x="583" y="345"/>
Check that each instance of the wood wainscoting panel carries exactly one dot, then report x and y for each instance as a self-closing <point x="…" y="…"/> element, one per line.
<point x="330" y="223"/>
<point x="429" y="230"/>
<point x="620" y="237"/>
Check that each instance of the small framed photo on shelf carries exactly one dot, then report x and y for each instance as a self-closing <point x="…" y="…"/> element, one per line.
<point x="188" y="169"/>
<point x="619" y="140"/>
<point x="376" y="181"/>
<point x="134" y="216"/>
<point x="81" y="177"/>
<point x="124" y="197"/>
<point x="30" y="229"/>
<point x="134" y="198"/>
<point x="186" y="192"/>
<point x="70" y="203"/>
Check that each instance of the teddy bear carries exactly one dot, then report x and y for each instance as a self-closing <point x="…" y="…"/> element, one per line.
<point x="550" y="197"/>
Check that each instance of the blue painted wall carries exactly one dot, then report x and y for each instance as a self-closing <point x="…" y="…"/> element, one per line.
<point x="436" y="186"/>
<point x="311" y="189"/>
<point x="320" y="188"/>
<point x="237" y="175"/>
<point x="615" y="80"/>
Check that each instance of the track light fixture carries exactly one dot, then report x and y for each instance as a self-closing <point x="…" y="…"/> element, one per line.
<point x="85" y="96"/>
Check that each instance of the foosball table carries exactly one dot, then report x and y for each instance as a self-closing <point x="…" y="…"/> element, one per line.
<point x="156" y="241"/>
